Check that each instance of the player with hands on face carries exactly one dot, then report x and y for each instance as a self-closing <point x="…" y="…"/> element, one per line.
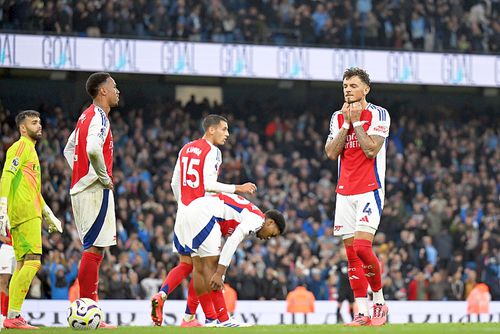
<point x="358" y="133"/>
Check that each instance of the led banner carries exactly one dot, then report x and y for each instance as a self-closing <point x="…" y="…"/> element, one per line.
<point x="245" y="61"/>
<point x="137" y="312"/>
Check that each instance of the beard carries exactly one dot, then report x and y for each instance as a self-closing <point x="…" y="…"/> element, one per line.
<point x="34" y="135"/>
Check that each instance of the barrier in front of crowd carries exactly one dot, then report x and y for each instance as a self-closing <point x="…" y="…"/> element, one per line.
<point x="137" y="312"/>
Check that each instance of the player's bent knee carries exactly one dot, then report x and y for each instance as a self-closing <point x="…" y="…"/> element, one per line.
<point x="95" y="250"/>
<point x="186" y="259"/>
<point x="33" y="257"/>
<point x="4" y="280"/>
<point x="365" y="232"/>
<point x="348" y="239"/>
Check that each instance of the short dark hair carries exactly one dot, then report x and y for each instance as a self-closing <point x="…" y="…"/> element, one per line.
<point x="357" y="72"/>
<point x="94" y="81"/>
<point x="25" y="114"/>
<point x="212" y="120"/>
<point x="278" y="219"/>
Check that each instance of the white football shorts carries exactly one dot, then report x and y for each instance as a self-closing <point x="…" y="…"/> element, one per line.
<point x="95" y="220"/>
<point x="197" y="232"/>
<point x="7" y="259"/>
<point x="360" y="212"/>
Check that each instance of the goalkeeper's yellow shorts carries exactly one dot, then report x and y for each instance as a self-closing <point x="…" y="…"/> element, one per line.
<point x="27" y="238"/>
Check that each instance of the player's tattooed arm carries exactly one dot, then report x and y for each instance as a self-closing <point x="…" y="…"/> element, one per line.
<point x="334" y="147"/>
<point x="369" y="144"/>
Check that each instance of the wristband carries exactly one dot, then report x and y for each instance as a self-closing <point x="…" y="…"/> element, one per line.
<point x="346" y="125"/>
<point x="358" y="123"/>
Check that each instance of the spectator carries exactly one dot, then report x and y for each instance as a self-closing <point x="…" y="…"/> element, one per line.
<point x="60" y="280"/>
<point x="437" y="287"/>
<point x="456" y="288"/>
<point x="317" y="285"/>
<point x="271" y="287"/>
<point x="417" y="289"/>
<point x="448" y="25"/>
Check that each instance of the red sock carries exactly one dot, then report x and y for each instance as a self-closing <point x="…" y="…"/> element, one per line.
<point x="207" y="306"/>
<point x="4" y="303"/>
<point x="220" y="305"/>
<point x="88" y="275"/>
<point x="176" y="276"/>
<point x="371" y="264"/>
<point x="192" y="299"/>
<point x="357" y="278"/>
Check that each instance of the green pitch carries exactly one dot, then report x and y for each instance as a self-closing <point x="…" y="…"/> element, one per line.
<point x="466" y="328"/>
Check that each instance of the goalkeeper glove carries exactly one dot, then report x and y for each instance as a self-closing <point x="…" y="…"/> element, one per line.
<point x="4" y="217"/>
<point x="51" y="219"/>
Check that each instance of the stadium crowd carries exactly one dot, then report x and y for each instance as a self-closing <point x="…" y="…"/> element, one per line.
<point x="439" y="233"/>
<point x="431" y="25"/>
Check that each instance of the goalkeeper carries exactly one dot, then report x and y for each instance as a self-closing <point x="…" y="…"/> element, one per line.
<point x="21" y="209"/>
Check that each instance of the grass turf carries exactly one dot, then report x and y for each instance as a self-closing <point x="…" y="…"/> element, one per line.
<point x="462" y="328"/>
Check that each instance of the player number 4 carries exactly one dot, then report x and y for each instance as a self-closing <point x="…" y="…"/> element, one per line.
<point x="188" y="169"/>
<point x="367" y="209"/>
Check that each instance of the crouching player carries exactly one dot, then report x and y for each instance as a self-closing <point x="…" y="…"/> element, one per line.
<point x="199" y="231"/>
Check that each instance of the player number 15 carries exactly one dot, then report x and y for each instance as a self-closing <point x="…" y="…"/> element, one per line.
<point x="188" y="168"/>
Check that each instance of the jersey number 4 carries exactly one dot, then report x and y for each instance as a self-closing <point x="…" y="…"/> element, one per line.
<point x="189" y="169"/>
<point x="367" y="209"/>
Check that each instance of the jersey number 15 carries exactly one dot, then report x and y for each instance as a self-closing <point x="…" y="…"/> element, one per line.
<point x="189" y="169"/>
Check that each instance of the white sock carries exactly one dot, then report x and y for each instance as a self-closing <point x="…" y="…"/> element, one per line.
<point x="378" y="297"/>
<point x="189" y="317"/>
<point x="163" y="295"/>
<point x="13" y="314"/>
<point x="363" y="306"/>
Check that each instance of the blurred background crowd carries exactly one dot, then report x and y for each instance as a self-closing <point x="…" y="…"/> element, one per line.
<point x="439" y="233"/>
<point x="430" y="25"/>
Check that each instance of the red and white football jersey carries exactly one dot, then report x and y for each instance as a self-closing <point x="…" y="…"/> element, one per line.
<point x="196" y="172"/>
<point x="235" y="210"/>
<point x="208" y="218"/>
<point x="93" y="122"/>
<point x="357" y="173"/>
